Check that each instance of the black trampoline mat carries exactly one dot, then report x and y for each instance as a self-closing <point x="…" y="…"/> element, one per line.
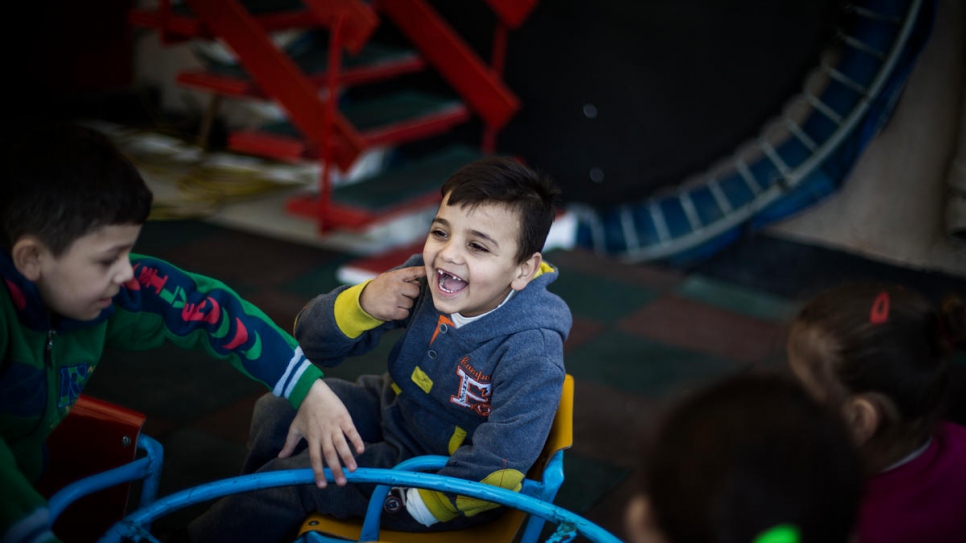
<point x="624" y="97"/>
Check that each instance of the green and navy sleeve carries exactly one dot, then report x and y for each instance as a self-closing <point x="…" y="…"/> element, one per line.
<point x="164" y="303"/>
<point x="24" y="516"/>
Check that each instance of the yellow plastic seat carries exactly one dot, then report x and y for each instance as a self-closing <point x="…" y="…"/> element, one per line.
<point x="543" y="481"/>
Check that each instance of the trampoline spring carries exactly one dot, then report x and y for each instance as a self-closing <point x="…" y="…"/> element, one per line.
<point x="690" y="211"/>
<point x="869" y="14"/>
<point x="660" y="223"/>
<point x="597" y="233"/>
<point x="776" y="178"/>
<point x="748" y="177"/>
<point x="800" y="135"/>
<point x="627" y="226"/>
<point x="824" y="109"/>
<point x="845" y="80"/>
<point x="720" y="197"/>
<point x="774" y="158"/>
<point x="860" y="45"/>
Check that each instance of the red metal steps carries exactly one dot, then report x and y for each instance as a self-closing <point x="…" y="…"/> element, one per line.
<point x="374" y="63"/>
<point x="481" y="87"/>
<point x="390" y="193"/>
<point x="337" y="131"/>
<point x="399" y="118"/>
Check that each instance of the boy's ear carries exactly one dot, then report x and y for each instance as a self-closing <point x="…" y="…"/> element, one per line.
<point x="863" y="416"/>
<point x="526" y="270"/>
<point x="639" y="521"/>
<point x="26" y="254"/>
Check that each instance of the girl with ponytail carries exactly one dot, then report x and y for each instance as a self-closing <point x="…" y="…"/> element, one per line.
<point x="879" y="355"/>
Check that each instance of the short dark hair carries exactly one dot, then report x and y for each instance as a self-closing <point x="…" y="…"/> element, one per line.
<point x="749" y="453"/>
<point x="61" y="181"/>
<point x="506" y="181"/>
<point x="902" y="354"/>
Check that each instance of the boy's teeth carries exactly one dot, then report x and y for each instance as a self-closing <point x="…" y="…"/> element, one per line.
<point x="449" y="283"/>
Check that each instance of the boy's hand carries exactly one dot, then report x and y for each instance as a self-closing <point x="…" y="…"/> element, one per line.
<point x="326" y="425"/>
<point x="391" y="295"/>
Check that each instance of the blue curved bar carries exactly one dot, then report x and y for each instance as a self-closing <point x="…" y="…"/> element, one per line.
<point x="569" y="523"/>
<point x="147" y="468"/>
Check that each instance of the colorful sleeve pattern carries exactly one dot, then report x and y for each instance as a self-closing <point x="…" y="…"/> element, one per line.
<point x="163" y="302"/>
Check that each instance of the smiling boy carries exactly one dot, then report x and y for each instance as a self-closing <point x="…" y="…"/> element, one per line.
<point x="71" y="210"/>
<point x="476" y="374"/>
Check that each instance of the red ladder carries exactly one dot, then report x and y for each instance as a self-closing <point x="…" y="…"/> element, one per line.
<point x="322" y="130"/>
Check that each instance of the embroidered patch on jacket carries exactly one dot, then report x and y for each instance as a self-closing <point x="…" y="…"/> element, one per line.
<point x="72" y="381"/>
<point x="474" y="389"/>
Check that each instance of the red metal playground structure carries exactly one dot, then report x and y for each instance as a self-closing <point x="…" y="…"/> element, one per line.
<point x="318" y="127"/>
<point x="796" y="159"/>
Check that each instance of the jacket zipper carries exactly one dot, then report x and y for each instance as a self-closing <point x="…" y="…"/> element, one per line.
<point x="48" y="366"/>
<point x="50" y="346"/>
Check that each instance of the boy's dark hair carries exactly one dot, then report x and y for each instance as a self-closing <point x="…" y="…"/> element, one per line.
<point x="747" y="454"/>
<point x="505" y="181"/>
<point x="62" y="181"/>
<point x="884" y="339"/>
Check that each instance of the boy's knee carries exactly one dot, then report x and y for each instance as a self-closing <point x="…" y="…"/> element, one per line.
<point x="270" y="422"/>
<point x="270" y="407"/>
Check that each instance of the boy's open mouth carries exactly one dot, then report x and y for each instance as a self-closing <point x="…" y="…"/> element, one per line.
<point x="449" y="283"/>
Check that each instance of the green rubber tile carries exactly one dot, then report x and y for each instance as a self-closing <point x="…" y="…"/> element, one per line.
<point x="241" y="259"/>
<point x="395" y="108"/>
<point x="417" y="178"/>
<point x="596" y="298"/>
<point x="174" y="384"/>
<point x="374" y="362"/>
<point x="640" y="366"/>
<point x="193" y="457"/>
<point x="586" y="481"/>
<point x="697" y="326"/>
<point x="315" y="60"/>
<point x="316" y="281"/>
<point x="738" y="299"/>
<point x="280" y="306"/>
<point x="157" y="236"/>
<point x="583" y="330"/>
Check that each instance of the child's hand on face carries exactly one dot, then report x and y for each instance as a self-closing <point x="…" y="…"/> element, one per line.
<point x="391" y="295"/>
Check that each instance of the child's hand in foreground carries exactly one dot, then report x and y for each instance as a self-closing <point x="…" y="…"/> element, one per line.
<point x="327" y="427"/>
<point x="391" y="295"/>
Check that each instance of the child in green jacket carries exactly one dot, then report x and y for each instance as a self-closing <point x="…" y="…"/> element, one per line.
<point x="71" y="210"/>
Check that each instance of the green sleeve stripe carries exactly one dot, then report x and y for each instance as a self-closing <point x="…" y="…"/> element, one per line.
<point x="305" y="382"/>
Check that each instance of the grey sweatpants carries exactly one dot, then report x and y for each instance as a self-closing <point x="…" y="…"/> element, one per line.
<point x="273" y="515"/>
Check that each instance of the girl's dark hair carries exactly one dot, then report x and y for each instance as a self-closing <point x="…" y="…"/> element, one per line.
<point x="61" y="181"/>
<point x="884" y="339"/>
<point x="749" y="453"/>
<point x="505" y="181"/>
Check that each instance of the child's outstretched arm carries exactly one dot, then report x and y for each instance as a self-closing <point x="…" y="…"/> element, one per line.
<point x="325" y="423"/>
<point x="163" y="303"/>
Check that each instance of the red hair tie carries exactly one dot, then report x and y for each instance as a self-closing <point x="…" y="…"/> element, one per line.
<point x="880" y="309"/>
